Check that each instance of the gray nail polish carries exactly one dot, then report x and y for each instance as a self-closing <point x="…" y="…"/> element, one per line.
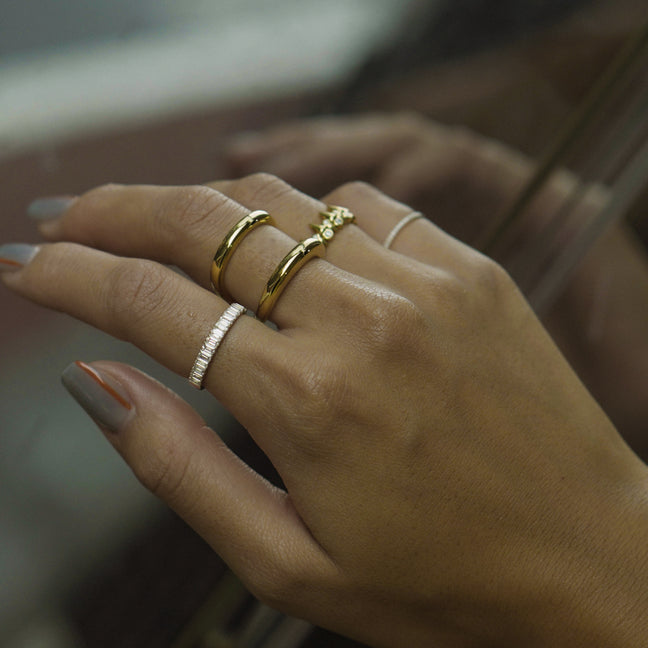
<point x="100" y="396"/>
<point x="14" y="256"/>
<point x="49" y="208"/>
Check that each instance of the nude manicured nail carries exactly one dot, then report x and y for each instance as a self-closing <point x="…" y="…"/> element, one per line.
<point x="15" y="256"/>
<point x="43" y="209"/>
<point x="102" y="397"/>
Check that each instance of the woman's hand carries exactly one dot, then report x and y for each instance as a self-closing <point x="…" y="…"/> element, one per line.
<point x="465" y="183"/>
<point x="448" y="479"/>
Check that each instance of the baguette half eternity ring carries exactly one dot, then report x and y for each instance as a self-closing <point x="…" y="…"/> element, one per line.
<point x="212" y="342"/>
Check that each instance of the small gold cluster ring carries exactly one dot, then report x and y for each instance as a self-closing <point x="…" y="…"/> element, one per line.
<point x="232" y="240"/>
<point x="333" y="219"/>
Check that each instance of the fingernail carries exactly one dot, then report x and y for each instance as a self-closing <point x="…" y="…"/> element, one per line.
<point x="102" y="397"/>
<point x="14" y="256"/>
<point x="43" y="209"/>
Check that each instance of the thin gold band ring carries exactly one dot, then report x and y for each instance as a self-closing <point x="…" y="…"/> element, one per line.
<point x="231" y="241"/>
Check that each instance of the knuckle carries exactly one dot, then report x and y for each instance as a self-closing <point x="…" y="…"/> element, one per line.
<point x="353" y="192"/>
<point x="490" y="278"/>
<point x="164" y="470"/>
<point x="390" y="323"/>
<point x="482" y="283"/>
<point x="259" y="180"/>
<point x="451" y="297"/>
<point x="260" y="188"/>
<point x="319" y="391"/>
<point x="281" y="582"/>
<point x="264" y="187"/>
<point x="192" y="207"/>
<point x="318" y="394"/>
<point x="134" y="289"/>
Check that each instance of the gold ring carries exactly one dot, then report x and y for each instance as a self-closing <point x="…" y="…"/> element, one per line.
<point x="308" y="249"/>
<point x="231" y="241"/>
<point x="333" y="219"/>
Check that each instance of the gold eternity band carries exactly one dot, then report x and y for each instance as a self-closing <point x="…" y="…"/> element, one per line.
<point x="231" y="241"/>
<point x="305" y="251"/>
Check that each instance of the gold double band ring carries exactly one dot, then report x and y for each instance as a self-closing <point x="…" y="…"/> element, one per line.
<point x="231" y="241"/>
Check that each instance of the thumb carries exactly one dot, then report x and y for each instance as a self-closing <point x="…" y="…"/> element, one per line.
<point x="249" y="522"/>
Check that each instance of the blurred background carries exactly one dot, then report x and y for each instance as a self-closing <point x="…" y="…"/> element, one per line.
<point x="153" y="92"/>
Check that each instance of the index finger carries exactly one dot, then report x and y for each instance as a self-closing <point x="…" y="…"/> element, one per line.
<point x="162" y="313"/>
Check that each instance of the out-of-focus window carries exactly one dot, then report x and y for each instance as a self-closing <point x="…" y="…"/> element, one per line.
<point x="72" y="67"/>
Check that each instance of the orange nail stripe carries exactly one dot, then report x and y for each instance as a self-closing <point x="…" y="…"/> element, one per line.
<point x="11" y="263"/>
<point x="102" y="383"/>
